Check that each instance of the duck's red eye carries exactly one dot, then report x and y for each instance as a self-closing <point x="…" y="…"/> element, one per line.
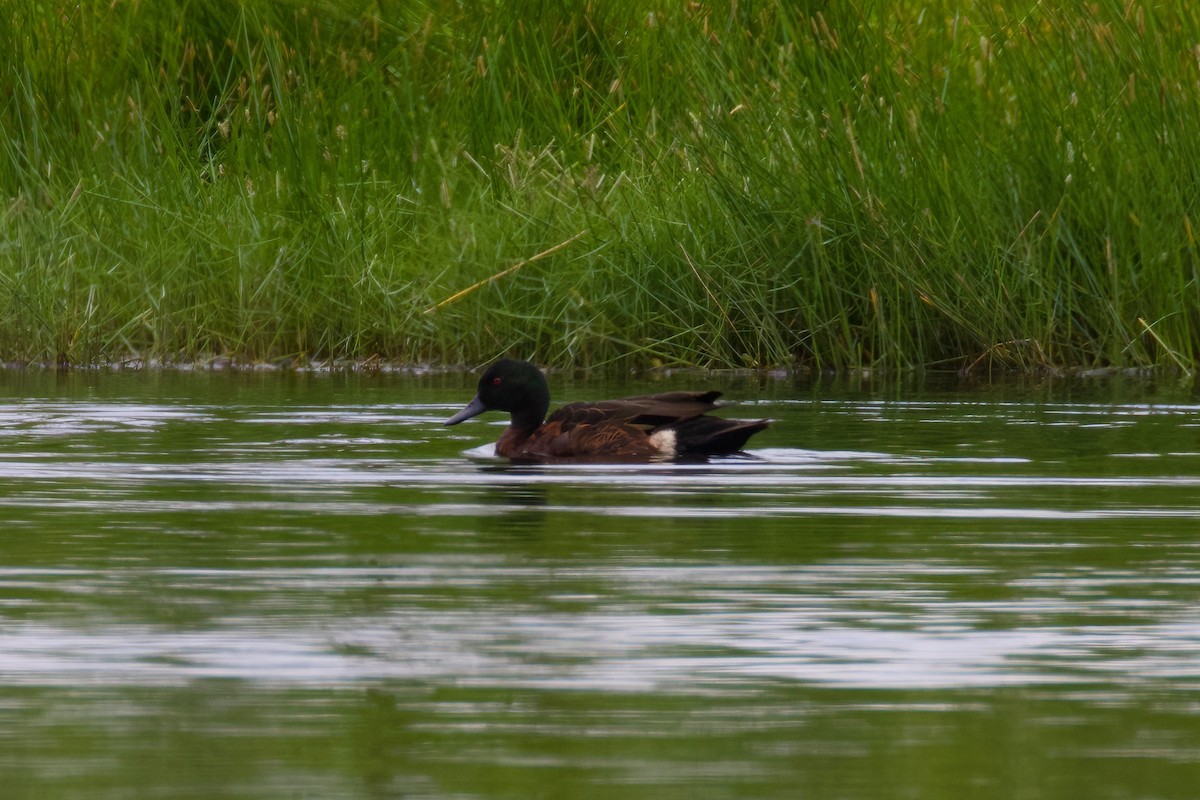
<point x="496" y="381"/>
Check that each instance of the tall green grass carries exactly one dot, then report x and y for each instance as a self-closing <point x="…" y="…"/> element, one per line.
<point x="849" y="185"/>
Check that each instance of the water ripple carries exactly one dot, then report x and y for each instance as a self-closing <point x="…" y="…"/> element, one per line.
<point x="932" y="545"/>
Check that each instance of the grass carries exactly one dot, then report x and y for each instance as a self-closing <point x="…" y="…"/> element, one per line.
<point x="922" y="184"/>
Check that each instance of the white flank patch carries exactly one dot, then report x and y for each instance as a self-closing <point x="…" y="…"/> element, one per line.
<point x="664" y="440"/>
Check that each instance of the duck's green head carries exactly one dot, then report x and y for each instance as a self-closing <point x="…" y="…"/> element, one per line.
<point x="517" y="387"/>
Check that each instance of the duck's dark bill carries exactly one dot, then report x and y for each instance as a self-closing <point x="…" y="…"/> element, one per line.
<point x="473" y="409"/>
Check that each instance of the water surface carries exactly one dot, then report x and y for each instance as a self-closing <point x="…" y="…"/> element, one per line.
<point x="245" y="585"/>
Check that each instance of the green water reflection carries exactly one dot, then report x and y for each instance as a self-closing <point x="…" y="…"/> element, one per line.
<point x="269" y="586"/>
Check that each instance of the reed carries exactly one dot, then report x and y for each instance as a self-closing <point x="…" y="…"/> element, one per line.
<point x="932" y="184"/>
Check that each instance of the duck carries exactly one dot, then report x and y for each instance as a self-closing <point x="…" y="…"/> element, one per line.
<point x="657" y="427"/>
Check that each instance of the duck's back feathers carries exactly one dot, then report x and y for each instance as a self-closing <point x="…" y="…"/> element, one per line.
<point x="652" y="410"/>
<point x="660" y="426"/>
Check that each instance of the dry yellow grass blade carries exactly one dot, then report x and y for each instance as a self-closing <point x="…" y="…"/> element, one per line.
<point x="550" y="251"/>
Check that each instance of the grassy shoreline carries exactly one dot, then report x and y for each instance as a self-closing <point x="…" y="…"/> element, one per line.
<point x="951" y="186"/>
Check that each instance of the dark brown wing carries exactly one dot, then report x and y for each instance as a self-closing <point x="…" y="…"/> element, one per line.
<point x="649" y="411"/>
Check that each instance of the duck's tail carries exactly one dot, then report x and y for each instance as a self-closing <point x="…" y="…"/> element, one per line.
<point x="713" y="436"/>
